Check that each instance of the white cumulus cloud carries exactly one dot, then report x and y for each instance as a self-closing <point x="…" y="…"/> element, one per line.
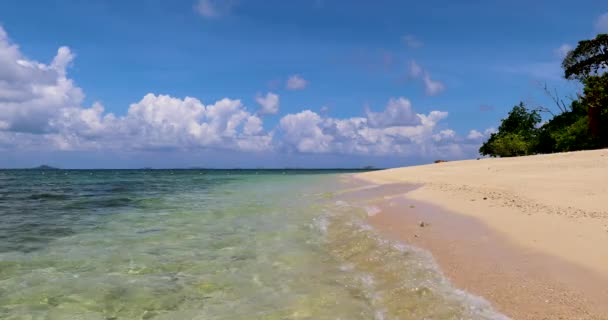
<point x="40" y="106"/>
<point x="444" y="135"/>
<point x="398" y="112"/>
<point x="269" y="104"/>
<point x="32" y="92"/>
<point x="296" y="82"/>
<point x="475" y="135"/>
<point x="213" y="9"/>
<point x="304" y="131"/>
<point x="601" y="24"/>
<point x="415" y="69"/>
<point x="431" y="87"/>
<point x="411" y="134"/>
<point x="563" y="50"/>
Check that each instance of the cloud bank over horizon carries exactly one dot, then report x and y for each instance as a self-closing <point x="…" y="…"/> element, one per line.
<point x="42" y="108"/>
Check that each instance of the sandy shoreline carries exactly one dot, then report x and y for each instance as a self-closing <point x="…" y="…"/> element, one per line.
<point x="529" y="234"/>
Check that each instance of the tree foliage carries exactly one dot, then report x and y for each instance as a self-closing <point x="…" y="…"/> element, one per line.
<point x="508" y="145"/>
<point x="596" y="99"/>
<point x="553" y="135"/>
<point x="520" y="120"/>
<point x="589" y="58"/>
<point x="582" y="126"/>
<point x="517" y="134"/>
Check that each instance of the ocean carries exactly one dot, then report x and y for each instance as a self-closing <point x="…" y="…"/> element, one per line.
<point x="207" y="244"/>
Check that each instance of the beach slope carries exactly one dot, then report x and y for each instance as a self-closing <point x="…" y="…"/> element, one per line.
<point x="530" y="221"/>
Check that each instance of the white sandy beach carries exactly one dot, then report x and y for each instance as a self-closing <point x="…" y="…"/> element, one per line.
<point x="549" y="213"/>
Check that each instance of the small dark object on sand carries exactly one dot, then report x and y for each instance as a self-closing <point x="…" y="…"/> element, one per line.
<point x="440" y="161"/>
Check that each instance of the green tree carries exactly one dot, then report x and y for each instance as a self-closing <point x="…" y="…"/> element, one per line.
<point x="582" y="126"/>
<point x="574" y="137"/>
<point x="589" y="58"/>
<point x="596" y="99"/>
<point x="517" y="134"/>
<point x="588" y="63"/>
<point x="507" y="145"/>
<point x="566" y="131"/>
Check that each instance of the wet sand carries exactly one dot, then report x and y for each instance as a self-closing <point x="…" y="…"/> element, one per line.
<point x="532" y="255"/>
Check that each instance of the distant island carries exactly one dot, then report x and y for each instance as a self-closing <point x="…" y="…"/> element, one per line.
<point x="44" y="167"/>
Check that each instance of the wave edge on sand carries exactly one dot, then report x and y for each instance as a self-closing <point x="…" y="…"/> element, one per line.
<point x="546" y="211"/>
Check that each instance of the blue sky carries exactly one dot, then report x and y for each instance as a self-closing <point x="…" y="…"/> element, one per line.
<point x="354" y="65"/>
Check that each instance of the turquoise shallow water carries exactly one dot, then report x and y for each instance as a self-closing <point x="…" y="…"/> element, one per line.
<point x="192" y="244"/>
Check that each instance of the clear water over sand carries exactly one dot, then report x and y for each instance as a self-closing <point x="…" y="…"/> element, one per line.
<point x="190" y="244"/>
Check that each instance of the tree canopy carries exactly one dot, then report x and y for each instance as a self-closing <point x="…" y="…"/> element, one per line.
<point x="584" y="125"/>
<point x="589" y="58"/>
<point x="516" y="136"/>
<point x="596" y="99"/>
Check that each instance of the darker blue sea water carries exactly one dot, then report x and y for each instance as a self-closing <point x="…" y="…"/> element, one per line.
<point x="37" y="206"/>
